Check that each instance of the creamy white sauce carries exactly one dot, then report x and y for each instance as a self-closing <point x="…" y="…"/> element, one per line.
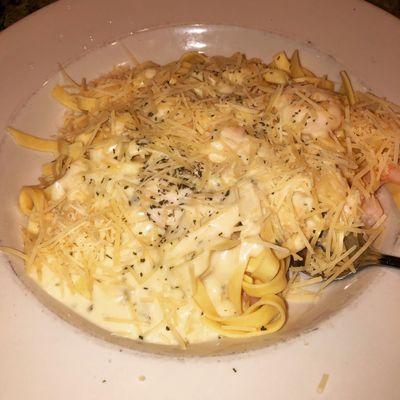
<point x="151" y="297"/>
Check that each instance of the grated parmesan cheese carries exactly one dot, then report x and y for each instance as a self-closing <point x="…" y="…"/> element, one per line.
<point x="172" y="175"/>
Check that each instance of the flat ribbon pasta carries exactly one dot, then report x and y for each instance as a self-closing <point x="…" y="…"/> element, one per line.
<point x="31" y="198"/>
<point x="266" y="315"/>
<point x="33" y="142"/>
<point x="269" y="276"/>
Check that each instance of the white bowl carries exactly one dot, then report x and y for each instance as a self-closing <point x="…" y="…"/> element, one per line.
<point x="41" y="115"/>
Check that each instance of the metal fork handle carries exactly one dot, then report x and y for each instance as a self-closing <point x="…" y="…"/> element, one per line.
<point x="372" y="259"/>
<point x="390" y="261"/>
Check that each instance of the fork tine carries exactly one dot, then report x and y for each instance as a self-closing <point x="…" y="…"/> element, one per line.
<point x="370" y="258"/>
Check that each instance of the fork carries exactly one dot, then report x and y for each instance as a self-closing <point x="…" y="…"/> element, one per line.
<point x="370" y="258"/>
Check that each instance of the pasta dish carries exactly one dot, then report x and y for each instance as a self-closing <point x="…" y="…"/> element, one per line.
<point x="191" y="201"/>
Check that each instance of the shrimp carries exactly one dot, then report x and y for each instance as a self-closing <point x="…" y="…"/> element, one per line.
<point x="372" y="209"/>
<point x="319" y="111"/>
<point x="234" y="138"/>
<point x="391" y="173"/>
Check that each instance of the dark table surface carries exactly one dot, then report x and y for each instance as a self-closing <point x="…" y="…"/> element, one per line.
<point x="13" y="10"/>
